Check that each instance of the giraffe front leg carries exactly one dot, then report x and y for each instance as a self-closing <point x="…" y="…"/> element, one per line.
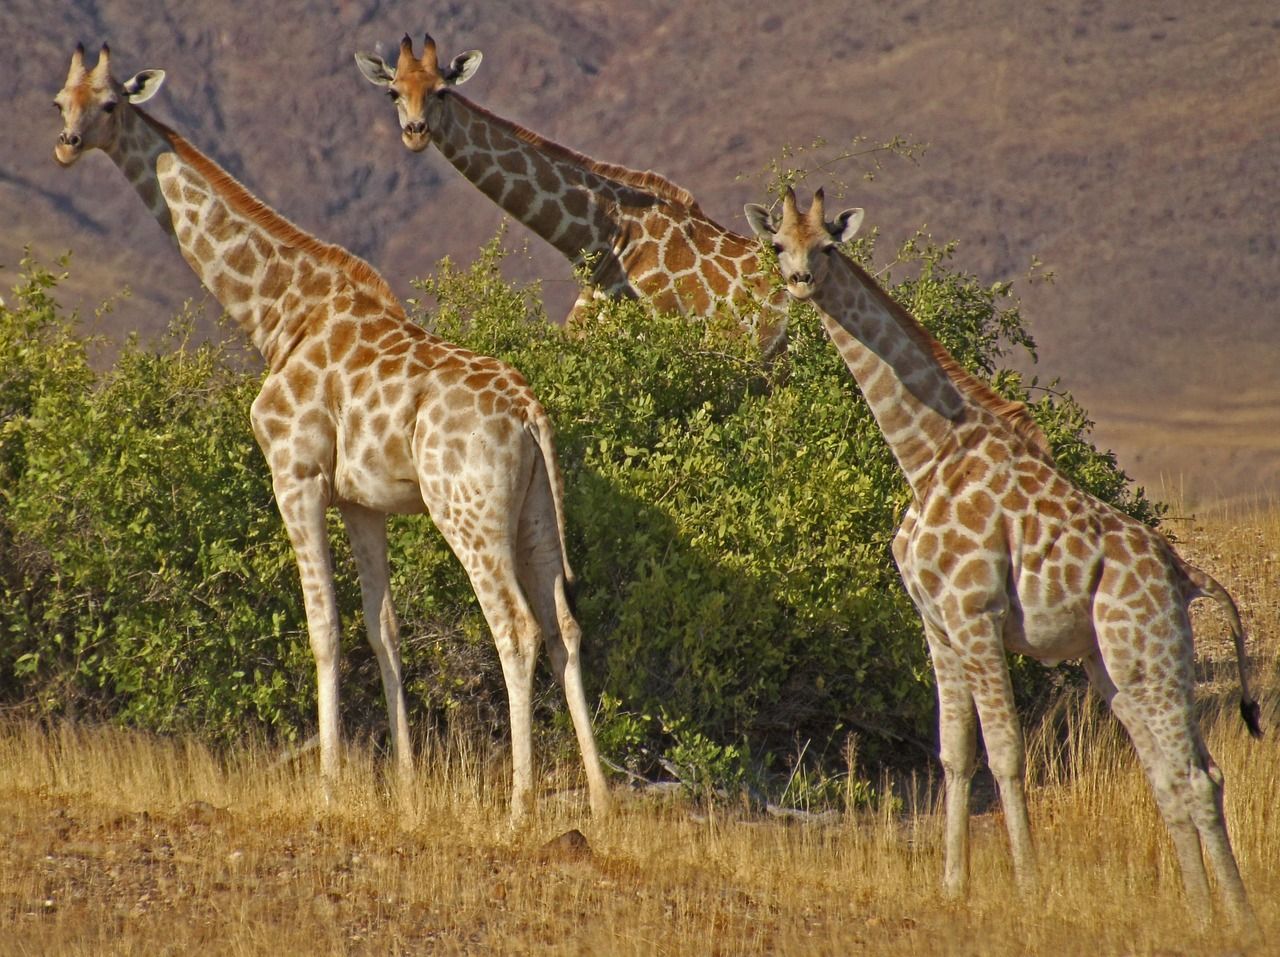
<point x="957" y="735"/>
<point x="367" y="530"/>
<point x="302" y="503"/>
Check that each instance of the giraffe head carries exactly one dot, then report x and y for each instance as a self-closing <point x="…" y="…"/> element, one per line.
<point x="416" y="85"/>
<point x="93" y="102"/>
<point x="803" y="241"/>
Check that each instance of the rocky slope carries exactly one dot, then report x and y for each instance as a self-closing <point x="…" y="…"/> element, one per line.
<point x="1136" y="153"/>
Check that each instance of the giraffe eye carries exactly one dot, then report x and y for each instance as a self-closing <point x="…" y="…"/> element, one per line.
<point x="777" y="249"/>
<point x="108" y="106"/>
<point x="393" y="94"/>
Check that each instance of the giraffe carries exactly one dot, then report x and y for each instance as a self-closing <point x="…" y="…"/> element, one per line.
<point x="1000" y="552"/>
<point x="364" y="410"/>
<point x="632" y="233"/>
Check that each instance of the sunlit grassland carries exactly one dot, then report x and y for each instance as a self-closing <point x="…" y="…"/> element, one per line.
<point x="119" y="842"/>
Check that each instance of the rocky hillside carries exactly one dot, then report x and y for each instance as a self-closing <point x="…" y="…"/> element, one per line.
<point x="1136" y="153"/>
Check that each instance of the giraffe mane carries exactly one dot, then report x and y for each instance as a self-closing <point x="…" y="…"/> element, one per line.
<point x="357" y="270"/>
<point x="644" y="180"/>
<point x="1014" y="413"/>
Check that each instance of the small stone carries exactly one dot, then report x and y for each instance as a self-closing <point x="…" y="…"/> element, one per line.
<point x="572" y="845"/>
<point x="202" y="812"/>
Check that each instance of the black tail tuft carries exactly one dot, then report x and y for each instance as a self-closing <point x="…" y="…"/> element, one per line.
<point x="1252" y="715"/>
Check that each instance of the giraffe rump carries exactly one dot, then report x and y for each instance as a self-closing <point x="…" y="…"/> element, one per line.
<point x="541" y="429"/>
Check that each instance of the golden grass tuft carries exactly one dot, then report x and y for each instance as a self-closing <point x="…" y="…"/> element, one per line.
<point x="117" y="842"/>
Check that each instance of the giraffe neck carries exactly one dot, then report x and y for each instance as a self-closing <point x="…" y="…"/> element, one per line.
<point x="273" y="279"/>
<point x="634" y="232"/>
<point x="137" y="151"/>
<point x="546" y="192"/>
<point x="915" y="400"/>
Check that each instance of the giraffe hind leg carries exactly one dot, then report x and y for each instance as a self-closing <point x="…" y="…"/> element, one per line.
<point x="542" y="577"/>
<point x="1201" y="782"/>
<point x="474" y="488"/>
<point x="1169" y="796"/>
<point x="1210" y="820"/>
<point x="1155" y="706"/>
<point x="491" y="567"/>
<point x="367" y="530"/>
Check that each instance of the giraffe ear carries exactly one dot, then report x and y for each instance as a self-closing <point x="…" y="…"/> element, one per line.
<point x="845" y="226"/>
<point x="463" y="67"/>
<point x="375" y="69"/>
<point x="143" y="86"/>
<point x="761" y="221"/>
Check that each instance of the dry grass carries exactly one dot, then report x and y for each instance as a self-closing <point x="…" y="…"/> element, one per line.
<point x="122" y="843"/>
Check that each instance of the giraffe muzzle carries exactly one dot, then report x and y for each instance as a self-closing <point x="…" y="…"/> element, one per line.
<point x="68" y="149"/>
<point x="800" y="285"/>
<point x="416" y="136"/>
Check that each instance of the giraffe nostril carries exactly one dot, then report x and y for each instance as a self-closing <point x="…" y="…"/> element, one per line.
<point x="69" y="139"/>
<point x="802" y="278"/>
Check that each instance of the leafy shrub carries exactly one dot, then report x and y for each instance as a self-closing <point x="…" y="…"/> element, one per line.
<point x="734" y="544"/>
<point x="730" y="527"/>
<point x="157" y="582"/>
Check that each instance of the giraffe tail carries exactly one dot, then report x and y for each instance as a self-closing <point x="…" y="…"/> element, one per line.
<point x="544" y="435"/>
<point x="1205" y="585"/>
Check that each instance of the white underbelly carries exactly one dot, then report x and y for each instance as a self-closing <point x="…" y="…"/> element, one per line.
<point x="393" y="494"/>
<point x="1050" y="635"/>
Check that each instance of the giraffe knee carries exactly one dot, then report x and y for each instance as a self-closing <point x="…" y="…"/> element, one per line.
<point x="1207" y="787"/>
<point x="324" y="645"/>
<point x="1008" y="765"/>
<point x="559" y="657"/>
<point x="528" y="634"/>
<point x="958" y="762"/>
<point x="958" y="744"/>
<point x="570" y="631"/>
<point x="957" y="774"/>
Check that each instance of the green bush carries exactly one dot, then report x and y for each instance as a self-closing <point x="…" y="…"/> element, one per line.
<point x="734" y="543"/>
<point x="150" y="577"/>
<point x="730" y="528"/>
